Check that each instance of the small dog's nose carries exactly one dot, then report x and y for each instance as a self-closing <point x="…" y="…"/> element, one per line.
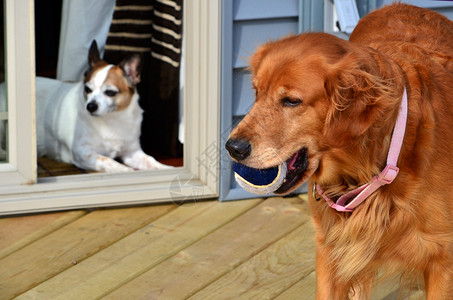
<point x="238" y="149"/>
<point x="92" y="107"/>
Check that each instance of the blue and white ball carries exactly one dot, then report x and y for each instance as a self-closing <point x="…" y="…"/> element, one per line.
<point x="259" y="181"/>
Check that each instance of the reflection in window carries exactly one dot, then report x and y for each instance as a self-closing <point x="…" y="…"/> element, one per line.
<point x="3" y="103"/>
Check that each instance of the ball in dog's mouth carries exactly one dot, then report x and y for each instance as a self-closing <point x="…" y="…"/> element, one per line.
<point x="259" y="181"/>
<point x="296" y="167"/>
<point x="279" y="179"/>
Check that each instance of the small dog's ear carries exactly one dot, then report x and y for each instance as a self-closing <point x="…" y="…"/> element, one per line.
<point x="93" y="54"/>
<point x="132" y="67"/>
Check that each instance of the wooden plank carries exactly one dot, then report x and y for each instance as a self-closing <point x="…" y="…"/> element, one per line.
<point x="383" y="290"/>
<point x="416" y="295"/>
<point x="269" y="273"/>
<point x="70" y="245"/>
<point x="49" y="167"/>
<point x="303" y="290"/>
<point x="387" y="288"/>
<point x="218" y="253"/>
<point x="17" y="232"/>
<point x="140" y="251"/>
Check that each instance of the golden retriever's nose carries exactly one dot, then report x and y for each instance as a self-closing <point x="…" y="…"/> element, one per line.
<point x="238" y="149"/>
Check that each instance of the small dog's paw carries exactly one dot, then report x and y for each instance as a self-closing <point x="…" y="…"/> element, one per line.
<point x="164" y="167"/>
<point x="152" y="164"/>
<point x="117" y="169"/>
<point x="124" y="169"/>
<point x="108" y="165"/>
<point x="141" y="161"/>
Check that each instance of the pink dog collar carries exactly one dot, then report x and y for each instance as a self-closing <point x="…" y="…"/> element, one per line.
<point x="344" y="203"/>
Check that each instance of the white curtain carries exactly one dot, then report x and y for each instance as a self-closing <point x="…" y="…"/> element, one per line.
<point x="81" y="22"/>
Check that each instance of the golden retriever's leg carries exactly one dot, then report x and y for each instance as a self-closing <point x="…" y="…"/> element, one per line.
<point x="439" y="281"/>
<point x="327" y="288"/>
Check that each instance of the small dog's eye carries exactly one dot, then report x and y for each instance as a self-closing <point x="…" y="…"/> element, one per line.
<point x="88" y="90"/>
<point x="291" y="101"/>
<point x="110" y="93"/>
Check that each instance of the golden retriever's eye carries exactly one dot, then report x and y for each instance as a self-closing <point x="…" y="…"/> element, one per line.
<point x="291" y="101"/>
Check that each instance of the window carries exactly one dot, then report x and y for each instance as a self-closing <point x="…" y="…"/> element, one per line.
<point x="21" y="191"/>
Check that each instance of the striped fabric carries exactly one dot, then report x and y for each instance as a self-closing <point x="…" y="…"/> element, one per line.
<point x="153" y="28"/>
<point x="142" y="26"/>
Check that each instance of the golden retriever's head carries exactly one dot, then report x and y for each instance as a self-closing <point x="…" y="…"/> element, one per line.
<point x="314" y="93"/>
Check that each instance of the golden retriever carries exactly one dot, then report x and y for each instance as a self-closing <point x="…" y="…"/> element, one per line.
<point x="330" y="106"/>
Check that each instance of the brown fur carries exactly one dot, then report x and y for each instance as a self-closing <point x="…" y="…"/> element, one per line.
<point x="350" y="93"/>
<point x="124" y="97"/>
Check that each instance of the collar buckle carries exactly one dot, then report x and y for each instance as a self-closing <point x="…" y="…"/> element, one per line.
<point x="388" y="175"/>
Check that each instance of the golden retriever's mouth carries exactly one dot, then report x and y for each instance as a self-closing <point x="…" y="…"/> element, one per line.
<point x="296" y="171"/>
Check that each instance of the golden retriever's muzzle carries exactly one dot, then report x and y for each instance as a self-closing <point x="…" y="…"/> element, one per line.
<point x="296" y="165"/>
<point x="239" y="149"/>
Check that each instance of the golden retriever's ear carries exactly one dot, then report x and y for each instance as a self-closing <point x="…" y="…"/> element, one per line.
<point x="257" y="58"/>
<point x="358" y="100"/>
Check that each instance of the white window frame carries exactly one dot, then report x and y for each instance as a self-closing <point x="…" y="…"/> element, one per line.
<point x="19" y="67"/>
<point x="22" y="192"/>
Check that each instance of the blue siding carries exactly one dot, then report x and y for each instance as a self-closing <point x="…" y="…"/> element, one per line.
<point x="264" y="9"/>
<point x="246" y="25"/>
<point x="248" y="35"/>
<point x="254" y="23"/>
<point x="242" y="92"/>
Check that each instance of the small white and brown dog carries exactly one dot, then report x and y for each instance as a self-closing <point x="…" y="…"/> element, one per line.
<point x="93" y="122"/>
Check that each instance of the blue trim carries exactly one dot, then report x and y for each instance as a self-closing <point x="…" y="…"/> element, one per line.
<point x="264" y="9"/>
<point x="226" y="95"/>
<point x="311" y="15"/>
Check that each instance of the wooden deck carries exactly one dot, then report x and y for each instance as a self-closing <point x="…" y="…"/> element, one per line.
<point x="251" y="249"/>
